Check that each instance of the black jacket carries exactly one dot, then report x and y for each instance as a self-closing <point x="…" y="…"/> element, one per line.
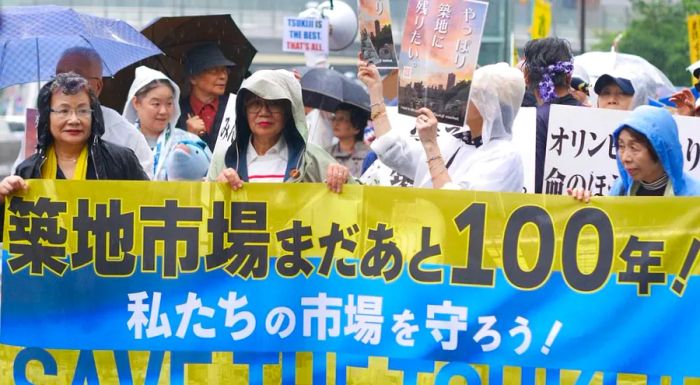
<point x="110" y="162"/>
<point x="186" y="109"/>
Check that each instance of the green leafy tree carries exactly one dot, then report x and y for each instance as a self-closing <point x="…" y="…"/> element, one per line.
<point x="658" y="32"/>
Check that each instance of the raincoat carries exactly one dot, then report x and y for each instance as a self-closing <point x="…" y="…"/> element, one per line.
<point x="120" y="131"/>
<point x="659" y="127"/>
<point x="171" y="136"/>
<point x="307" y="162"/>
<point x="497" y="92"/>
<point x="109" y="161"/>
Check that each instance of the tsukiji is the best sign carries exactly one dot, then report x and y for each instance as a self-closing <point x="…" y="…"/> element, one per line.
<point x="305" y="35"/>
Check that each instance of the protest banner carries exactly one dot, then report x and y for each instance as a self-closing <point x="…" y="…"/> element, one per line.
<point x="227" y="133"/>
<point x="524" y="129"/>
<point x="376" y="38"/>
<point x="305" y="35"/>
<point x="541" y="19"/>
<point x="581" y="153"/>
<point x="439" y="53"/>
<point x="458" y="277"/>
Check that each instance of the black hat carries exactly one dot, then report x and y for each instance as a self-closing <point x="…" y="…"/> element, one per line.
<point x="624" y="84"/>
<point x="205" y="56"/>
<point x="580" y="84"/>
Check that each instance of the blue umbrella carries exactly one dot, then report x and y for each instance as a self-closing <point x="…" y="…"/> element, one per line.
<point x="33" y="38"/>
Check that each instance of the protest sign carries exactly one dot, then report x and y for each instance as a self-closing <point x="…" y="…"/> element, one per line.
<point x="439" y="52"/>
<point x="581" y="153"/>
<point x="305" y="35"/>
<point x="227" y="134"/>
<point x="376" y="38"/>
<point x="524" y="129"/>
<point x="463" y="277"/>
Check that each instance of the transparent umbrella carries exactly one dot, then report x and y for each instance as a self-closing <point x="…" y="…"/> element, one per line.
<point x="649" y="81"/>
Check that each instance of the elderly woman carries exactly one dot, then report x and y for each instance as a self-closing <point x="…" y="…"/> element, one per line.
<point x="649" y="158"/>
<point x="614" y="93"/>
<point x="152" y="107"/>
<point x="349" y="124"/>
<point x="271" y="138"/>
<point x="69" y="144"/>
<point x="486" y="160"/>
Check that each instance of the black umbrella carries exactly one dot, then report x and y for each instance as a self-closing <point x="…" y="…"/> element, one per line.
<point x="175" y="36"/>
<point x="325" y="89"/>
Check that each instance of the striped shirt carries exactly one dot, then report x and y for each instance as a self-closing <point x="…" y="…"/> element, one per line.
<point x="269" y="167"/>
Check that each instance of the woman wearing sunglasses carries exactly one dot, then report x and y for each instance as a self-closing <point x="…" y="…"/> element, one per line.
<point x="152" y="107"/>
<point x="271" y="138"/>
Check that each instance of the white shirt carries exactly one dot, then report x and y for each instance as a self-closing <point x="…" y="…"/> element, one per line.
<point x="269" y="167"/>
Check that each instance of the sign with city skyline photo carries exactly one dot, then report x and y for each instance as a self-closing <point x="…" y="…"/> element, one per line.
<point x="376" y="38"/>
<point x="439" y="52"/>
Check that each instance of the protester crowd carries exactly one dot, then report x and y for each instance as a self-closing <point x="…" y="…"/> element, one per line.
<point x="165" y="134"/>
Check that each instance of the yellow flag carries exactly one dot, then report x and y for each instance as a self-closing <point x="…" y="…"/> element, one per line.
<point x="694" y="38"/>
<point x="541" y="19"/>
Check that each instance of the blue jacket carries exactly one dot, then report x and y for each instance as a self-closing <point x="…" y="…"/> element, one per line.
<point x="661" y="130"/>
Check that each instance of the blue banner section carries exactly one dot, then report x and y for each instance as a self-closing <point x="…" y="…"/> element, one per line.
<point x="613" y="329"/>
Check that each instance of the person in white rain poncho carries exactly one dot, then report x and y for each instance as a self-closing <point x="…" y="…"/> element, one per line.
<point x="487" y="161"/>
<point x="152" y="107"/>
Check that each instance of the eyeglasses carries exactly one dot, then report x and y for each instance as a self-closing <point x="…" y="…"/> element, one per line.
<point x="254" y="106"/>
<point x="81" y="113"/>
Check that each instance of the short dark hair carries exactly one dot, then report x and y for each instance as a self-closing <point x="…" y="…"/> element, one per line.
<point x="69" y="83"/>
<point x="358" y="119"/>
<point x="641" y="138"/>
<point x="540" y="53"/>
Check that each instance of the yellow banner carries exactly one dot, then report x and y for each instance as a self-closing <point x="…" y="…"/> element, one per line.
<point x="223" y="370"/>
<point x="541" y="19"/>
<point x="485" y="228"/>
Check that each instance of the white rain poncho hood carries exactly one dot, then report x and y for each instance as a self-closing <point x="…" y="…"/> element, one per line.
<point x="497" y="92"/>
<point x="143" y="76"/>
<point x="171" y="136"/>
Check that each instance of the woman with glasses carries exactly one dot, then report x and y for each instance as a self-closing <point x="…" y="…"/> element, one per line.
<point x="349" y="123"/>
<point x="152" y="107"/>
<point x="68" y="140"/>
<point x="271" y="138"/>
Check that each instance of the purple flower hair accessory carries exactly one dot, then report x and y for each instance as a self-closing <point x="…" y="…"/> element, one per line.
<point x="546" y="85"/>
